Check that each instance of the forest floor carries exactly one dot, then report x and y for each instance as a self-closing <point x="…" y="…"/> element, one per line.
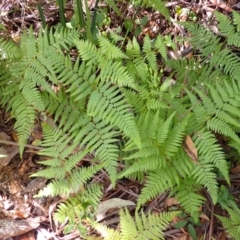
<point x="23" y="217"/>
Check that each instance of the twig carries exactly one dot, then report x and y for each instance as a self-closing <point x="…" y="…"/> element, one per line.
<point x="211" y="222"/>
<point x="17" y="144"/>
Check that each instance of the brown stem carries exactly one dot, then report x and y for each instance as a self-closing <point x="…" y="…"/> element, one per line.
<point x="17" y="144"/>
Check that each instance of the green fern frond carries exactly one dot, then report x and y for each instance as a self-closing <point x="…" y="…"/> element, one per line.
<point x="114" y="6"/>
<point x="99" y="137"/>
<point x="231" y="224"/>
<point x="175" y="138"/>
<point x="106" y="232"/>
<point x="9" y="50"/>
<point x="204" y="174"/>
<point x="150" y="55"/>
<point x="220" y="126"/>
<point x="109" y="50"/>
<point x="81" y="206"/>
<point x="236" y="20"/>
<point x="108" y="103"/>
<point x="225" y="25"/>
<point x="160" y="45"/>
<point x="210" y="151"/>
<point x="110" y="70"/>
<point x="157" y="182"/>
<point x="142" y="227"/>
<point x="69" y="184"/>
<point x="187" y="193"/>
<point x="25" y="115"/>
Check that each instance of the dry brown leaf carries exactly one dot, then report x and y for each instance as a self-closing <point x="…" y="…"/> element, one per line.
<point x="15" y="136"/>
<point x="183" y="237"/>
<point x="4" y="136"/>
<point x="11" y="228"/>
<point x="10" y="152"/>
<point x="235" y="169"/>
<point x="204" y="216"/>
<point x="171" y="201"/>
<point x="190" y="149"/>
<point x="103" y="207"/>
<point x="222" y="236"/>
<point x="221" y="4"/>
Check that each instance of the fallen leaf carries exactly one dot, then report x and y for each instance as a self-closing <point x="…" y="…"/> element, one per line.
<point x="190" y="149"/>
<point x="11" y="228"/>
<point x="222" y="236"/>
<point x="171" y="201"/>
<point x="204" y="216"/>
<point x="221" y="4"/>
<point x="10" y="152"/>
<point x="235" y="169"/>
<point x="183" y="237"/>
<point x="103" y="207"/>
<point x="4" y="136"/>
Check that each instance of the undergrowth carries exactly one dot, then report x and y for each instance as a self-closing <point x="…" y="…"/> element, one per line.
<point x="111" y="102"/>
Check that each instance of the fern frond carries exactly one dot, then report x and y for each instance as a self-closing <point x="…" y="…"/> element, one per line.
<point x="100" y="137"/>
<point x="81" y="206"/>
<point x="175" y="138"/>
<point x="144" y="227"/>
<point x="220" y="126"/>
<point x="109" y="50"/>
<point x="210" y="151"/>
<point x="225" y="25"/>
<point x="25" y="115"/>
<point x="150" y="55"/>
<point x="106" y="232"/>
<point x="9" y="50"/>
<point x="232" y="223"/>
<point x="107" y="102"/>
<point x="236" y="20"/>
<point x="187" y="193"/>
<point x="69" y="184"/>
<point x="157" y="182"/>
<point x="161" y="47"/>
<point x="204" y="174"/>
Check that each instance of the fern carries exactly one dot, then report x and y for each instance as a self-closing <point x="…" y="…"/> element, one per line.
<point x="116" y="104"/>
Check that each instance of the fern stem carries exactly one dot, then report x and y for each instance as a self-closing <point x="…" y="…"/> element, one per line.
<point x="94" y="16"/>
<point x="41" y="15"/>
<point x="134" y="17"/>
<point x="61" y="11"/>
